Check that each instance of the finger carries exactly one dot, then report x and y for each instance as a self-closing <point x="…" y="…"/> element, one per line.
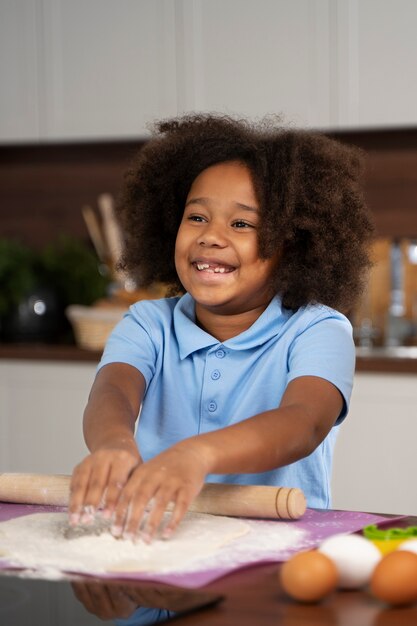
<point x="106" y="608"/>
<point x="117" y="480"/>
<point x="95" y="491"/>
<point x="130" y="509"/>
<point x="80" y="592"/>
<point x="78" y="490"/>
<point x="84" y="595"/>
<point x="110" y="498"/>
<point x="181" y="504"/>
<point x="160" y="503"/>
<point x="128" y="518"/>
<point x="121" y="602"/>
<point x="100" y="601"/>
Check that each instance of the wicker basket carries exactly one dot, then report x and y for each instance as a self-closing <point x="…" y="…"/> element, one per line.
<point x="93" y="325"/>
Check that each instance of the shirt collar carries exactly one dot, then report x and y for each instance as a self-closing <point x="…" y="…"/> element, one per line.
<point x="191" y="337"/>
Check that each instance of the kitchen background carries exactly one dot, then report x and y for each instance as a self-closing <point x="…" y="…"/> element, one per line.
<point x="81" y="81"/>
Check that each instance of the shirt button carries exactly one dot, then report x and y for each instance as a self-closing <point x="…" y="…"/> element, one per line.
<point x="212" y="406"/>
<point x="215" y="374"/>
<point x="220" y="354"/>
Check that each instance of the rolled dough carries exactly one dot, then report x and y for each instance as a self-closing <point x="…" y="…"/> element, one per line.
<point x="42" y="541"/>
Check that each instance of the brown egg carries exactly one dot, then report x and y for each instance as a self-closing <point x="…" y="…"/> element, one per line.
<point x="309" y="576"/>
<point x="394" y="579"/>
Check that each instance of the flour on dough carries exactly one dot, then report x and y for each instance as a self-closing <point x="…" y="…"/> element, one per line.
<point x="41" y="541"/>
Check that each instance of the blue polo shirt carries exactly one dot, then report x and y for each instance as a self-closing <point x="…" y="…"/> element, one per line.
<point x="196" y="384"/>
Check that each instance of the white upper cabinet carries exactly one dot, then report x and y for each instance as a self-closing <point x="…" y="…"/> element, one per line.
<point x="375" y="47"/>
<point x="109" y="66"/>
<point x="19" y="71"/>
<point x="91" y="69"/>
<point x="256" y="57"/>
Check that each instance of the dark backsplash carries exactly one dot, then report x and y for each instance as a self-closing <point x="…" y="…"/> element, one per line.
<point x="43" y="187"/>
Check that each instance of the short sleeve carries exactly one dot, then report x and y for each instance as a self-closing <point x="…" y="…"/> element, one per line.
<point x="325" y="349"/>
<point x="132" y="342"/>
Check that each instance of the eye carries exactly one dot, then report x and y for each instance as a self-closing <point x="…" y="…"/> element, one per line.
<point x="242" y="224"/>
<point x="195" y="218"/>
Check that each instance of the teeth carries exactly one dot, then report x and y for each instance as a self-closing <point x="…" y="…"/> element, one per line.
<point x="213" y="270"/>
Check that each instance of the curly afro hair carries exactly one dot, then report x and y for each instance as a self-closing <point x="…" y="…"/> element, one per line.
<point x="308" y="187"/>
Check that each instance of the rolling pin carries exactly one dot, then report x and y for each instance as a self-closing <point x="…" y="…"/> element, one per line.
<point x="215" y="498"/>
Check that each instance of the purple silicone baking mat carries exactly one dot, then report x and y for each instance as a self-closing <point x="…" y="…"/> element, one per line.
<point x="316" y="524"/>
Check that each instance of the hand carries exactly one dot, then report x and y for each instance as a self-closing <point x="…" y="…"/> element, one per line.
<point x="106" y="601"/>
<point x="98" y="481"/>
<point x="175" y="477"/>
<point x="112" y="601"/>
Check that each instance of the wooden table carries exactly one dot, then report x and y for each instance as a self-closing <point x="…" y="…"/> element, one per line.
<point x="254" y="597"/>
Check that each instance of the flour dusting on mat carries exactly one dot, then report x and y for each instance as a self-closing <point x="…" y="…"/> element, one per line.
<point x="43" y="542"/>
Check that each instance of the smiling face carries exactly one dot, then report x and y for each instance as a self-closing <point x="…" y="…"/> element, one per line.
<point x="216" y="252"/>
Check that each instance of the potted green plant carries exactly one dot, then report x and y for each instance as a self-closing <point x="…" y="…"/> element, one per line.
<point x="36" y="287"/>
<point x="71" y="266"/>
<point x="17" y="274"/>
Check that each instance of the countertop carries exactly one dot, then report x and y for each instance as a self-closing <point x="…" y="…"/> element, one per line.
<point x="396" y="360"/>
<point x="254" y="596"/>
<point x="401" y="359"/>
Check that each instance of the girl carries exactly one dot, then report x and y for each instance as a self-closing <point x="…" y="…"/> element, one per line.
<point x="246" y="376"/>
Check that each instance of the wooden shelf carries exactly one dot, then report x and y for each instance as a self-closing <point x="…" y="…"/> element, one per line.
<point x="386" y="365"/>
<point x="46" y="352"/>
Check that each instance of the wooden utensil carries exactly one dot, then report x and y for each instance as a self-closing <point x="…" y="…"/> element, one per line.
<point x="111" y="228"/>
<point x="215" y="498"/>
<point x="96" y="236"/>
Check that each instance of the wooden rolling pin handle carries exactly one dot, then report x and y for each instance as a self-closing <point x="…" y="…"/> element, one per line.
<point x="49" y="489"/>
<point x="290" y="503"/>
<point x="250" y="501"/>
<point x="216" y="498"/>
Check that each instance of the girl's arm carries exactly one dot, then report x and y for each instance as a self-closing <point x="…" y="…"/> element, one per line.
<point x="109" y="424"/>
<point x="309" y="409"/>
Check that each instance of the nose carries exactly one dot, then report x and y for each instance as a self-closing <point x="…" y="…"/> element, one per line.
<point x="212" y="235"/>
